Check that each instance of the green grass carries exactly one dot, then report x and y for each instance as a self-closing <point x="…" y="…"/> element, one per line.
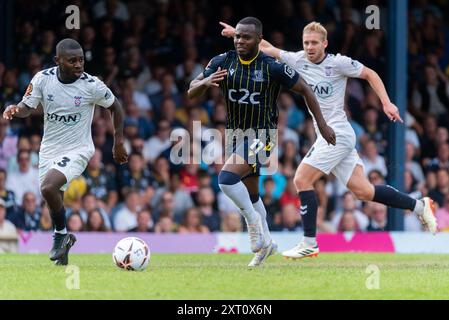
<point x="225" y="276"/>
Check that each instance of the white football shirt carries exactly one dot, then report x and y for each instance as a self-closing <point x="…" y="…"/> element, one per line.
<point x="68" y="110"/>
<point x="328" y="81"/>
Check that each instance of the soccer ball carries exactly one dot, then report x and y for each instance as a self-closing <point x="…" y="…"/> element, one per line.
<point x="131" y="254"/>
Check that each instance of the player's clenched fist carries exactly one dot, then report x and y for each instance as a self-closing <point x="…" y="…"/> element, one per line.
<point x="119" y="153"/>
<point x="10" y="111"/>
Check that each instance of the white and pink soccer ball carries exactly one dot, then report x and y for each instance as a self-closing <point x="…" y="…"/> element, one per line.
<point x="131" y="254"/>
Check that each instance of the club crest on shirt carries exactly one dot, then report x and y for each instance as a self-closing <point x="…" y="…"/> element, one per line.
<point x="29" y="90"/>
<point x="328" y="70"/>
<point x="258" y="76"/>
<point x="231" y="71"/>
<point x="77" y="101"/>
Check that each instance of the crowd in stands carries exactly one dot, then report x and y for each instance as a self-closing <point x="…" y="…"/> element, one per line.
<point x="147" y="52"/>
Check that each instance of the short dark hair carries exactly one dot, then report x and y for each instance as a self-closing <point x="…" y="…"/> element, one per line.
<point x="67" y="44"/>
<point x="254" y="21"/>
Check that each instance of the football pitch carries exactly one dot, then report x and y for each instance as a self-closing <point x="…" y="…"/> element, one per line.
<point x="225" y="276"/>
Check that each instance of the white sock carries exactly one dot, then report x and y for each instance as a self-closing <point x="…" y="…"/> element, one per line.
<point x="310" y="241"/>
<point x="419" y="207"/>
<point x="63" y="231"/>
<point x="260" y="208"/>
<point x="240" y="196"/>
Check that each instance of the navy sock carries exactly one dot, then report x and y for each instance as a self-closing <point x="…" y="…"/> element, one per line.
<point x="59" y="219"/>
<point x="309" y="207"/>
<point x="391" y="197"/>
<point x="254" y="197"/>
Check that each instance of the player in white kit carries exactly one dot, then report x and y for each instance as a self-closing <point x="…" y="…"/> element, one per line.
<point x="68" y="96"/>
<point x="327" y="74"/>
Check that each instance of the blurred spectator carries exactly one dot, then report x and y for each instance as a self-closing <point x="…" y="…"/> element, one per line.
<point x="371" y="158"/>
<point x="8" y="143"/>
<point x="22" y="144"/>
<point x="442" y="159"/>
<point x="47" y="49"/>
<point x="189" y="176"/>
<point x="323" y="226"/>
<point x="75" y="223"/>
<point x="290" y="195"/>
<point x="442" y="187"/>
<point x="158" y="143"/>
<point x="433" y="95"/>
<point x="161" y="172"/>
<point x="375" y="177"/>
<point x="9" y="92"/>
<point x="442" y="215"/>
<point x="95" y="222"/>
<point x="232" y="222"/>
<point x="295" y="116"/>
<point x="136" y="176"/>
<point x="429" y="150"/>
<point x="145" y="127"/>
<point x="45" y="224"/>
<point x="411" y="164"/>
<point x="272" y="205"/>
<point x="28" y="216"/>
<point x="34" y="65"/>
<point x="5" y="194"/>
<point x="182" y="199"/>
<point x="288" y="219"/>
<point x="111" y="8"/>
<point x="348" y="222"/>
<point x="165" y="224"/>
<point x="289" y="159"/>
<point x="35" y="145"/>
<point x="144" y="222"/>
<point x="192" y="222"/>
<point x="91" y="203"/>
<point x="372" y="129"/>
<point x="377" y="213"/>
<point x="126" y="217"/>
<point x="139" y="98"/>
<point x="206" y="202"/>
<point x="25" y="179"/>
<point x="166" y="206"/>
<point x="349" y="204"/>
<point x="8" y="233"/>
<point x="101" y="182"/>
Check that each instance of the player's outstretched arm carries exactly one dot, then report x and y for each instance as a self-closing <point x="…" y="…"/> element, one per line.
<point x="119" y="152"/>
<point x="378" y="86"/>
<point x="327" y="132"/>
<point x="266" y="47"/>
<point x="20" y="110"/>
<point x="199" y="85"/>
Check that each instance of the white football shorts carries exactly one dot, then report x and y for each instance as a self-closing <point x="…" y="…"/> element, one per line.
<point x="71" y="164"/>
<point x="341" y="159"/>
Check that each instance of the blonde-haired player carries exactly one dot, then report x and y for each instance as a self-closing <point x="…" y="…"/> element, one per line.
<point x="327" y="74"/>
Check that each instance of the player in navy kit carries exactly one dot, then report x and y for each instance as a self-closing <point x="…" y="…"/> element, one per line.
<point x="251" y="82"/>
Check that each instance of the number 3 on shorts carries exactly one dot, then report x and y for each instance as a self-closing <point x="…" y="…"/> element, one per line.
<point x="63" y="162"/>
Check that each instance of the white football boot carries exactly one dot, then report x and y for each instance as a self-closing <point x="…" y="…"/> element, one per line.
<point x="256" y="236"/>
<point x="300" y="251"/>
<point x="428" y="218"/>
<point x="263" y="254"/>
